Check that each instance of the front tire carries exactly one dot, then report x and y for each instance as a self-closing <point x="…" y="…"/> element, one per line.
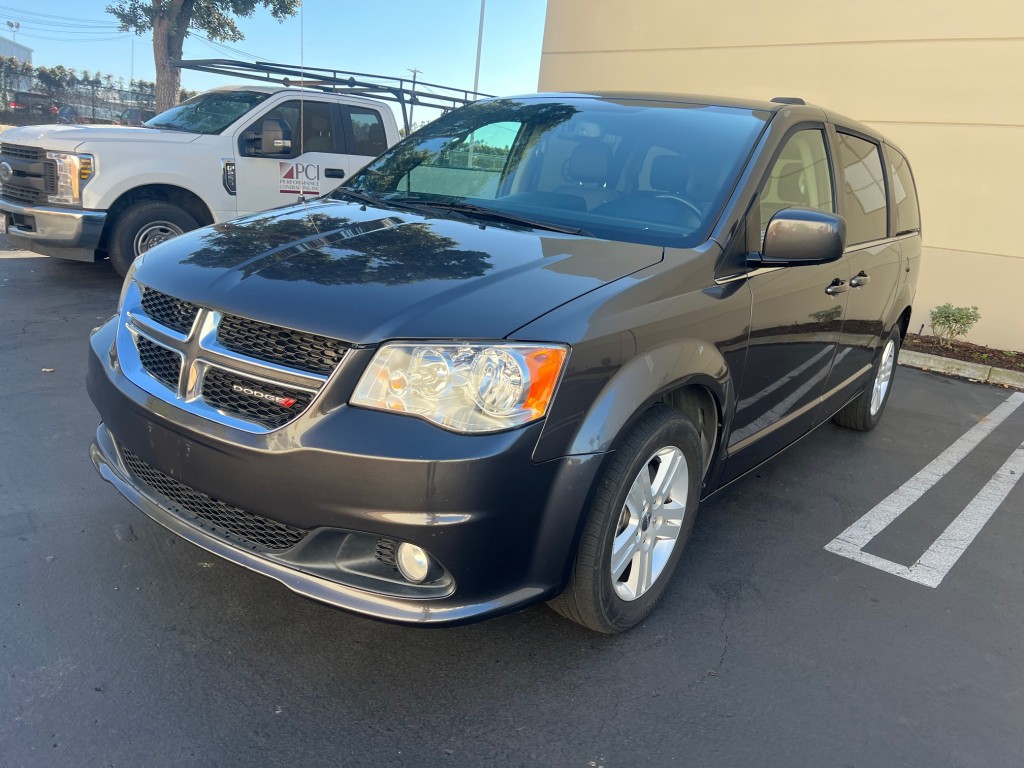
<point x="142" y="226"/>
<point x="637" y="526"/>
<point x="864" y="413"/>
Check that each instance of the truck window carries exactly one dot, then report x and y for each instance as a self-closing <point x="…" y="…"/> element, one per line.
<point x="904" y="194"/>
<point x="367" y="132"/>
<point x="864" y="206"/>
<point x="208" y="113"/>
<point x="314" y="120"/>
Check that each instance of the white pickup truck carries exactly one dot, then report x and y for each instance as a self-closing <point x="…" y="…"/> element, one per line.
<point x="82" y="191"/>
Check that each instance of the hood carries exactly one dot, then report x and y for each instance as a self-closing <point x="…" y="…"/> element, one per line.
<point x="68" y="138"/>
<point x="365" y="275"/>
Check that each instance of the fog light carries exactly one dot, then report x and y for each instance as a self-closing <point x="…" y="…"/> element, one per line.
<point x="413" y="562"/>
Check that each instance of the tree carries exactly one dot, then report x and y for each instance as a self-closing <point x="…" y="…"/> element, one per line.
<point x="170" y="22"/>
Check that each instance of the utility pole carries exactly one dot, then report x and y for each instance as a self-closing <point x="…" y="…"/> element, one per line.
<point x="412" y="103"/>
<point x="479" y="47"/>
<point x="15" y="26"/>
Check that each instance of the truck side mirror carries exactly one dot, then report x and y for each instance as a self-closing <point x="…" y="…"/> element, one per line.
<point x="275" y="137"/>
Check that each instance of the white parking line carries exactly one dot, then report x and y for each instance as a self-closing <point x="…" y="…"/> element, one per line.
<point x="942" y="555"/>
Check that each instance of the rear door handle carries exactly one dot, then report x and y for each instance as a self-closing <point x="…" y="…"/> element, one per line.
<point x="334" y="173"/>
<point x="860" y="279"/>
<point x="837" y="286"/>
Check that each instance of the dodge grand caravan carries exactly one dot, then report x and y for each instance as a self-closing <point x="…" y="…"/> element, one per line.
<point x="505" y="362"/>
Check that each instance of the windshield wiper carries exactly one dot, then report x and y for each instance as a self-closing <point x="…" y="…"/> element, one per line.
<point x="169" y="127"/>
<point x="491" y="213"/>
<point x="355" y="194"/>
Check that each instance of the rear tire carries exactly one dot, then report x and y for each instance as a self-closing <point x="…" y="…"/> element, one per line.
<point x="637" y="526"/>
<point x="864" y="413"/>
<point x="142" y="226"/>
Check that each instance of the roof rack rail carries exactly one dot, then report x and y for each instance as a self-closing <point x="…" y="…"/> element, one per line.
<point x="400" y="90"/>
<point x="788" y="100"/>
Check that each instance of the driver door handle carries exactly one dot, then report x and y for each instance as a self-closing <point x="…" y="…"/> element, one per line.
<point x="334" y="173"/>
<point x="837" y="286"/>
<point x="860" y="279"/>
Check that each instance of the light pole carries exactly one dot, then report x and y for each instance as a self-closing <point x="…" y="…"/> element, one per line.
<point x="479" y="47"/>
<point x="15" y="26"/>
<point x="412" y="103"/>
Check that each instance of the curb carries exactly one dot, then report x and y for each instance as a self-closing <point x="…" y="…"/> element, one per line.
<point x="974" y="371"/>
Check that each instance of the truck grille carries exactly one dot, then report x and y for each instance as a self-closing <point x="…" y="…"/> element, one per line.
<point x="254" y="531"/>
<point x="161" y="363"/>
<point x="34" y="177"/>
<point x="220" y="390"/>
<point x="168" y="311"/>
<point x="283" y="346"/>
<point x="22" y="153"/>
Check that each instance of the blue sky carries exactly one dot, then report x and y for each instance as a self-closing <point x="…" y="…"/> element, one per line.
<point x="380" y="36"/>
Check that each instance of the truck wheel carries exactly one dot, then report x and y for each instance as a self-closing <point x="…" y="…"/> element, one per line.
<point x="637" y="526"/>
<point x="866" y="411"/>
<point x="142" y="226"/>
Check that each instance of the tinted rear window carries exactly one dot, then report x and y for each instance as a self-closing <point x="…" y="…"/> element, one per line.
<point x="864" y="204"/>
<point x="904" y="194"/>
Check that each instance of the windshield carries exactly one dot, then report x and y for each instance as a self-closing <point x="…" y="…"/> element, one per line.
<point x="208" y="112"/>
<point x="638" y="171"/>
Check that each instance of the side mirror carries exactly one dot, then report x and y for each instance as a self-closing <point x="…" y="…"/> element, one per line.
<point x="800" y="236"/>
<point x="275" y="137"/>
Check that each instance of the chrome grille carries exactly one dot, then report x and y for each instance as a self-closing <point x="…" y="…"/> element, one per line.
<point x="175" y="350"/>
<point x="253" y="530"/>
<point x="159" y="362"/>
<point x="22" y="153"/>
<point x="168" y="311"/>
<point x="283" y="346"/>
<point x="220" y="389"/>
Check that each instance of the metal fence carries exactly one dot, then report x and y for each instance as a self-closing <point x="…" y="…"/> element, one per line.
<point x="30" y="96"/>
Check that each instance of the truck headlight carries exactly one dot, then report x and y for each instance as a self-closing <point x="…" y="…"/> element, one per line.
<point x="465" y="387"/>
<point x="73" y="171"/>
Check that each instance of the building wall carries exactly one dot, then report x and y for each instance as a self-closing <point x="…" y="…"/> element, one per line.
<point x="15" y="50"/>
<point x="943" y="79"/>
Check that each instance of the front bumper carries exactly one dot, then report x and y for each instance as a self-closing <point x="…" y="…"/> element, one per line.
<point x="67" y="233"/>
<point x="503" y="527"/>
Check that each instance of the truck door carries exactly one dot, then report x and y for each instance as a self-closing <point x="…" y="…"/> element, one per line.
<point x="313" y="165"/>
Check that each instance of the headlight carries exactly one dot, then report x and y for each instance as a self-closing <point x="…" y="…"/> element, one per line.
<point x="467" y="387"/>
<point x="73" y="171"/>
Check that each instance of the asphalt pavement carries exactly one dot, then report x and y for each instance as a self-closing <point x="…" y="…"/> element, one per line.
<point x="124" y="646"/>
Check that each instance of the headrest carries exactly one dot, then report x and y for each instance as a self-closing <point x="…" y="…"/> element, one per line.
<point x="792" y="186"/>
<point x="670" y="173"/>
<point x="590" y="162"/>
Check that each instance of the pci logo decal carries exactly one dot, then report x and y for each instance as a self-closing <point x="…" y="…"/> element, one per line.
<point x="299" y="178"/>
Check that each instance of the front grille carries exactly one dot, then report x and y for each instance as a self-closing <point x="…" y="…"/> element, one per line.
<point x="22" y="194"/>
<point x="159" y="362"/>
<point x="168" y="311"/>
<point x="50" y="178"/>
<point x="283" y="346"/>
<point x="220" y="391"/>
<point x="255" y="531"/>
<point x="22" y="153"/>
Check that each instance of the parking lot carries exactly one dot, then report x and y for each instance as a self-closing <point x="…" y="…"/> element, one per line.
<point x="124" y="646"/>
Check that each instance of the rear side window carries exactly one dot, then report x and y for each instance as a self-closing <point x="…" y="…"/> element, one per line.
<point x="904" y="194"/>
<point x="367" y="132"/>
<point x="864" y="206"/>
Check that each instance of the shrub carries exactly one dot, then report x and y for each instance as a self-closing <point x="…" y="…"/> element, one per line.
<point x="950" y="323"/>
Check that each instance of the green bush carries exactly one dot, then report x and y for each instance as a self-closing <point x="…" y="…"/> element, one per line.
<point x="950" y="323"/>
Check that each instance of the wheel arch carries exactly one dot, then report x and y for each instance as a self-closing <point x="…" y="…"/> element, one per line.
<point x="185" y="199"/>
<point x="689" y="375"/>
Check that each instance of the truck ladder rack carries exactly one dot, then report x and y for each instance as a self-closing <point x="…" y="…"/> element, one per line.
<point x="400" y="90"/>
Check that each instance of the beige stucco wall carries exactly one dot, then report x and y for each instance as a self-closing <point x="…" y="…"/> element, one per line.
<point x="943" y="79"/>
